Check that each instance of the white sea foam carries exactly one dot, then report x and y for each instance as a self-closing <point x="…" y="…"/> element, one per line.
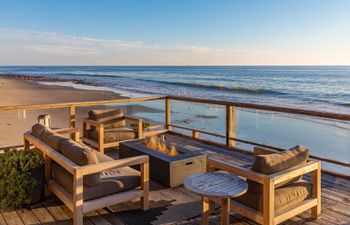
<point x="123" y="93"/>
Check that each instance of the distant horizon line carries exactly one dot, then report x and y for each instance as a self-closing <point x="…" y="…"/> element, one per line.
<point x="140" y="65"/>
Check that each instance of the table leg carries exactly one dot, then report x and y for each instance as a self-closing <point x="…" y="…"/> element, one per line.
<point x="211" y="207"/>
<point x="225" y="211"/>
<point x="205" y="210"/>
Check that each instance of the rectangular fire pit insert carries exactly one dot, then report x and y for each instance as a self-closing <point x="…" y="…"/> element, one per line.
<point x="168" y="170"/>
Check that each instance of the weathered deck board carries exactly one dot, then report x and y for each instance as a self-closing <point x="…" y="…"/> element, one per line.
<point x="12" y="218"/>
<point x="178" y="206"/>
<point x="28" y="217"/>
<point x="2" y="221"/>
<point x="57" y="212"/>
<point x="110" y="217"/>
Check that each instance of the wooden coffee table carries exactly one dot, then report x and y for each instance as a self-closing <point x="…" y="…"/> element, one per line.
<point x="220" y="185"/>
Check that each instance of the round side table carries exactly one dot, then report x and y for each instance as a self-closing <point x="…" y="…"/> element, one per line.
<point x="220" y="185"/>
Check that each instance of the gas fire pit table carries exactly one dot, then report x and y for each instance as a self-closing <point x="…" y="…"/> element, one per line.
<point x="168" y="169"/>
<point x="220" y="185"/>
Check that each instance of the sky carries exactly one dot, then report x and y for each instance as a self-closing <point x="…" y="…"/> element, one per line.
<point x="178" y="32"/>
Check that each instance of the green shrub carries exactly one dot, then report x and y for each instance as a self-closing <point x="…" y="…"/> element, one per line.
<point x="16" y="181"/>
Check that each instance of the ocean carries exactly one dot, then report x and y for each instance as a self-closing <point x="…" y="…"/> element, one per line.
<point x="318" y="88"/>
<point x="323" y="88"/>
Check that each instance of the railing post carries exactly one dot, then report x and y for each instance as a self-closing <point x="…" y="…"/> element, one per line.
<point x="139" y="129"/>
<point x="230" y="125"/>
<point x="195" y="134"/>
<point x="72" y="118"/>
<point x="167" y="114"/>
<point x="316" y="191"/>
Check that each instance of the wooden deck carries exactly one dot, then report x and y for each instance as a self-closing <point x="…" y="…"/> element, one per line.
<point x="177" y="205"/>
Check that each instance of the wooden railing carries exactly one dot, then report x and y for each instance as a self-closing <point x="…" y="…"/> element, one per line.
<point x="73" y="105"/>
<point x="328" y="115"/>
<point x="231" y="107"/>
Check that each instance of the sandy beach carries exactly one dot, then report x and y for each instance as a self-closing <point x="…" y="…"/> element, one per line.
<point x="21" y="92"/>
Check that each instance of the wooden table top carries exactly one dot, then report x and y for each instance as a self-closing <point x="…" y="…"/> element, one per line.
<point x="216" y="184"/>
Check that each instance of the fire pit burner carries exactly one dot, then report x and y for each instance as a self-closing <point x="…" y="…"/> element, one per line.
<point x="169" y="166"/>
<point x="157" y="143"/>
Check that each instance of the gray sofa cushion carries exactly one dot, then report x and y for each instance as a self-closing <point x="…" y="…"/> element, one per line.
<point x="112" y="182"/>
<point x="53" y="140"/>
<point x="114" y="134"/>
<point x="48" y="136"/>
<point x="38" y="129"/>
<point x="81" y="155"/>
<point x="110" y="118"/>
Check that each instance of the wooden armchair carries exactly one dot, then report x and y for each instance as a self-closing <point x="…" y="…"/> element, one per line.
<point x="101" y="136"/>
<point x="63" y="173"/>
<point x="268" y="215"/>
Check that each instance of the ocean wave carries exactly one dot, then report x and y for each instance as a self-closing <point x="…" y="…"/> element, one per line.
<point x="236" y="89"/>
<point x="88" y="75"/>
<point x="346" y="104"/>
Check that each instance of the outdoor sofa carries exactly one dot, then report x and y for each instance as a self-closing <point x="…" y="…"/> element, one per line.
<point x="85" y="179"/>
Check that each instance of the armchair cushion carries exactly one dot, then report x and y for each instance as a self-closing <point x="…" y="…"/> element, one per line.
<point x="269" y="163"/>
<point x="110" y="118"/>
<point x="276" y="162"/>
<point x="112" y="181"/>
<point x="285" y="196"/>
<point x="114" y="134"/>
<point x="81" y="155"/>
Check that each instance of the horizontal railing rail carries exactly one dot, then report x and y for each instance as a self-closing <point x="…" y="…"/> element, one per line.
<point x="328" y="115"/>
<point x="79" y="104"/>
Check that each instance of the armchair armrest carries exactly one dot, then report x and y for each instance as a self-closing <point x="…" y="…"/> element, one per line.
<point x="92" y="122"/>
<point x="74" y="132"/>
<point x="295" y="171"/>
<point x="66" y="131"/>
<point x="100" y="167"/>
<point x="132" y="118"/>
<point x="139" y="124"/>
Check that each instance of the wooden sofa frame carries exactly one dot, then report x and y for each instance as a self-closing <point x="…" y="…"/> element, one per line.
<point x="269" y="216"/>
<point x="75" y="201"/>
<point x="100" y="144"/>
